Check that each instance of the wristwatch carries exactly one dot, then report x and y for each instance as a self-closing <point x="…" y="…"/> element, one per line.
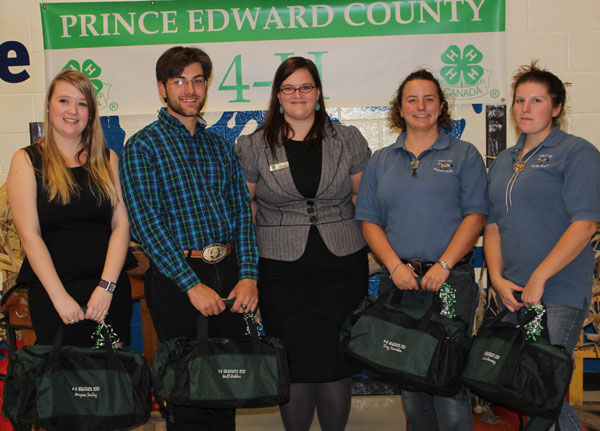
<point x="109" y="286"/>
<point x="444" y="265"/>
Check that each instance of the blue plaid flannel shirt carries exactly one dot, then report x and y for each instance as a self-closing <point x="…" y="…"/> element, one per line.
<point x="186" y="192"/>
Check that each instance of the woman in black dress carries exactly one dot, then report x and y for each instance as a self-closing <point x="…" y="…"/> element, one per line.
<point x="304" y="172"/>
<point x="66" y="202"/>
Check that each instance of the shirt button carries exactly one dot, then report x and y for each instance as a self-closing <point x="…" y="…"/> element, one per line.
<point x="313" y="219"/>
<point x="310" y="210"/>
<point x="310" y="203"/>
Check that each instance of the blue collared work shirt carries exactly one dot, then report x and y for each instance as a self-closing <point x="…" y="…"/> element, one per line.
<point x="560" y="184"/>
<point x="419" y="214"/>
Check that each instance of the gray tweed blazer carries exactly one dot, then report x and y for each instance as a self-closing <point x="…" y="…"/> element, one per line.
<point x="284" y="216"/>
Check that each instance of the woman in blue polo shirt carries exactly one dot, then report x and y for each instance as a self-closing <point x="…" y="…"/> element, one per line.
<point x="422" y="204"/>
<point x="545" y="196"/>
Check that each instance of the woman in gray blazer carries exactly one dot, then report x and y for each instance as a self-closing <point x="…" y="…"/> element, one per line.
<point x="303" y="173"/>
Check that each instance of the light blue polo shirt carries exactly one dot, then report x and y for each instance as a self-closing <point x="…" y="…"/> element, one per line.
<point x="559" y="185"/>
<point x="419" y="214"/>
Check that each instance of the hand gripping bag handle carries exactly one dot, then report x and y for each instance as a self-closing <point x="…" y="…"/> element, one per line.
<point x="202" y="331"/>
<point x="58" y="343"/>
<point x="523" y="319"/>
<point x="388" y="297"/>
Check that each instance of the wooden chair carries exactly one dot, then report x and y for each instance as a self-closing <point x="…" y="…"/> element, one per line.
<point x="15" y="309"/>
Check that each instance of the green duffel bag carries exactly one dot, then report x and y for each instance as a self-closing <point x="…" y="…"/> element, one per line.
<point x="421" y="349"/>
<point x="510" y="366"/>
<point x="221" y="372"/>
<point x="76" y="388"/>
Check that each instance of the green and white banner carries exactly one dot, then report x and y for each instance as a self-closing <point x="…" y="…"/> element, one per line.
<point x="363" y="49"/>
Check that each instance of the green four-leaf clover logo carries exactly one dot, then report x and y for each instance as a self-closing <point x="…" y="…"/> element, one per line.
<point x="462" y="65"/>
<point x="89" y="68"/>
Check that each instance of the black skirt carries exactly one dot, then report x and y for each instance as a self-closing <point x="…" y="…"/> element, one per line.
<point x="305" y="302"/>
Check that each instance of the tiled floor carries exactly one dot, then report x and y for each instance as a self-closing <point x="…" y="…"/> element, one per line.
<point x="377" y="412"/>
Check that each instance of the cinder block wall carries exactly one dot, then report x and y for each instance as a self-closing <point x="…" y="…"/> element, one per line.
<point x="564" y="35"/>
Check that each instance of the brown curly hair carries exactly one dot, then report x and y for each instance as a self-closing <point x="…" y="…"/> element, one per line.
<point x="444" y="120"/>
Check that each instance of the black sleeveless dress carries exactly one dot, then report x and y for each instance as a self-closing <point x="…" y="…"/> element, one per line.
<point x="77" y="236"/>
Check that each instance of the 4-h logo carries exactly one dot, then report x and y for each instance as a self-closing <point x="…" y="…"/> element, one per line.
<point x="464" y="77"/>
<point x="93" y="71"/>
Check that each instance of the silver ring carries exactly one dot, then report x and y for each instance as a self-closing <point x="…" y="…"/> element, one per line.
<point x="244" y="306"/>
<point x="72" y="321"/>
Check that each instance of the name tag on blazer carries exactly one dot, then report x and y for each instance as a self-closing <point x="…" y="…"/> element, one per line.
<point x="278" y="166"/>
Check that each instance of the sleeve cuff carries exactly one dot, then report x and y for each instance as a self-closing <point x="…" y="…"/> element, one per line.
<point x="249" y="270"/>
<point x="363" y="216"/>
<point x="187" y="280"/>
<point x="585" y="215"/>
<point x="477" y="210"/>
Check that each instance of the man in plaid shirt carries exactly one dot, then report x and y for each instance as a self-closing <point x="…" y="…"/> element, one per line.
<point x="190" y="210"/>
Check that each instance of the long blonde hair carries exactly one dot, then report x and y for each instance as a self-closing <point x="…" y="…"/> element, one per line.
<point x="56" y="177"/>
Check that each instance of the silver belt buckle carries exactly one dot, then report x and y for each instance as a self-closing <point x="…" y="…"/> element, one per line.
<point x="214" y="253"/>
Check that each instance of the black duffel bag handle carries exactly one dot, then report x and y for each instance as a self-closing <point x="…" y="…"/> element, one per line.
<point x="202" y="331"/>
<point x="58" y="343"/>
<point x="523" y="319"/>
<point x="393" y="295"/>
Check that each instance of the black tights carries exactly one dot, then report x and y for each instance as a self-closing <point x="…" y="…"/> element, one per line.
<point x="332" y="401"/>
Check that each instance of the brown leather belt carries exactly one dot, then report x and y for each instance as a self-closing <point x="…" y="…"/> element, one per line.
<point x="212" y="253"/>
<point x="422" y="266"/>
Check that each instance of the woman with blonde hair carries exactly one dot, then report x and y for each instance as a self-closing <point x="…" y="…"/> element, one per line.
<point x="65" y="198"/>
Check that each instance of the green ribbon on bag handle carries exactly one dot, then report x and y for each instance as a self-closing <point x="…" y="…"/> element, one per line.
<point x="534" y="327"/>
<point x="447" y="295"/>
<point x="105" y="333"/>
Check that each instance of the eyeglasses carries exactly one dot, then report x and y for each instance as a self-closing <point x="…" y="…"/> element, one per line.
<point x="196" y="82"/>
<point x="289" y="90"/>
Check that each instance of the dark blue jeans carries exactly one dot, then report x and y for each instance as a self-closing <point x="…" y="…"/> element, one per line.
<point x="424" y="411"/>
<point x="173" y="316"/>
